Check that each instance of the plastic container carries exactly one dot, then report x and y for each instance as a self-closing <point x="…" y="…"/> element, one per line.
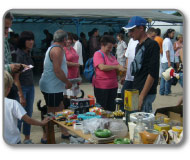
<point x="177" y="129"/>
<point x="138" y="128"/>
<point x="118" y="128"/>
<point x="147" y="118"/>
<point x="120" y="133"/>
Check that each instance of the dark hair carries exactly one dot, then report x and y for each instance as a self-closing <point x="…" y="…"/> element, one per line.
<point x="24" y="36"/>
<point x="151" y="30"/>
<point x="166" y="35"/>
<point x="70" y="36"/>
<point x="75" y="37"/>
<point x="158" y="31"/>
<point x="46" y="31"/>
<point x="94" y="30"/>
<point x="9" y="16"/>
<point x="82" y="35"/>
<point x="107" y="39"/>
<point x="121" y="36"/>
<point x="90" y="34"/>
<point x="106" y="33"/>
<point x="111" y="33"/>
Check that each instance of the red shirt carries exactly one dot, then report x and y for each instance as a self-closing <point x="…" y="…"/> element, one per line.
<point x="72" y="56"/>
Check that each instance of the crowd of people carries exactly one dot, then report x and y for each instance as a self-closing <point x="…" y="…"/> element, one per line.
<point x="65" y="58"/>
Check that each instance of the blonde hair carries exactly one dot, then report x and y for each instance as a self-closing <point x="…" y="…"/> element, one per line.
<point x="179" y="36"/>
<point x="8" y="81"/>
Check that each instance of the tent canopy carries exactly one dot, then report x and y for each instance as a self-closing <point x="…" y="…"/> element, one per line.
<point x="89" y="16"/>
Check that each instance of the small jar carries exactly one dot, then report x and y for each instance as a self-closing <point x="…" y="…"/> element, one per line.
<point x="177" y="129"/>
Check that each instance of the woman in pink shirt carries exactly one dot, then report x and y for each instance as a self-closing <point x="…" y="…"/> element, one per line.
<point x="177" y="47"/>
<point x="105" y="78"/>
<point x="73" y="66"/>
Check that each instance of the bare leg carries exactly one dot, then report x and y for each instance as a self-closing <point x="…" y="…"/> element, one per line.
<point x="53" y="110"/>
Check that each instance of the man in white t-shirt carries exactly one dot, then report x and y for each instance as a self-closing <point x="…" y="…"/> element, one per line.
<point x="78" y="47"/>
<point x="130" y="55"/>
<point x="12" y="112"/>
<point x="167" y="60"/>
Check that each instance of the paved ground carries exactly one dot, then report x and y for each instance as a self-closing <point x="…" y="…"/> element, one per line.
<point x="36" y="131"/>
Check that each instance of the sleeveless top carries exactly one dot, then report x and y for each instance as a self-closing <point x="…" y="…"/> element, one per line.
<point x="49" y="83"/>
<point x="178" y="50"/>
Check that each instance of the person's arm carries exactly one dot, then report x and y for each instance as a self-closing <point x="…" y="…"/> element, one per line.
<point x="124" y="52"/>
<point x="104" y="67"/>
<point x="148" y="84"/>
<point x="153" y="72"/>
<point x="125" y="48"/>
<point x="72" y="64"/>
<point x="123" y="77"/>
<point x="175" y="47"/>
<point x="168" y="58"/>
<point x="20" y="93"/>
<point x="56" y="55"/>
<point x="181" y="54"/>
<point x="31" y="121"/>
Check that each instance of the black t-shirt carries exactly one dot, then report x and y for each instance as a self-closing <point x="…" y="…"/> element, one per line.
<point x="26" y="78"/>
<point x="150" y="65"/>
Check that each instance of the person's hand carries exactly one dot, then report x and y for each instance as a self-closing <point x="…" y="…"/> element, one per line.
<point x="77" y="65"/>
<point x="25" y="66"/>
<point x="122" y="80"/>
<point x="68" y="85"/>
<point x="121" y="68"/>
<point x="15" y="67"/>
<point x="22" y="101"/>
<point x="141" y="99"/>
<point x="45" y="121"/>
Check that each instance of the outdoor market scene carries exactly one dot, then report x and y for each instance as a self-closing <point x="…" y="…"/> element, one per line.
<point x="93" y="76"/>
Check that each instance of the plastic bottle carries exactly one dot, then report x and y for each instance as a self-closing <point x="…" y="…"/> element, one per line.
<point x="138" y="128"/>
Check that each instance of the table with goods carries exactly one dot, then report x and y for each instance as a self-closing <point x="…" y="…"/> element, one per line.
<point x="93" y="124"/>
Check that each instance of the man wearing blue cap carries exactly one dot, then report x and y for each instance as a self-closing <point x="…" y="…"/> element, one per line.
<point x="145" y="67"/>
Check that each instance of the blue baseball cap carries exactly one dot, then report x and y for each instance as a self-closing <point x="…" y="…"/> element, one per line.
<point x="134" y="22"/>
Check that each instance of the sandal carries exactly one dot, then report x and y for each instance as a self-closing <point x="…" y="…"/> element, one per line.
<point x="64" y="137"/>
<point x="43" y="141"/>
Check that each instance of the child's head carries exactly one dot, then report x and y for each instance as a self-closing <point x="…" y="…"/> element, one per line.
<point x="8" y="82"/>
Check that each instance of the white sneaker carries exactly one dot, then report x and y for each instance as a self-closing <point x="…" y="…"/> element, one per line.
<point x="28" y="141"/>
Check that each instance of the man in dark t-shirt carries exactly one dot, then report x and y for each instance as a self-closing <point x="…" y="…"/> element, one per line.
<point x="147" y="73"/>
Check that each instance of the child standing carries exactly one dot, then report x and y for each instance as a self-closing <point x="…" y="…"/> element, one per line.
<point x="12" y="112"/>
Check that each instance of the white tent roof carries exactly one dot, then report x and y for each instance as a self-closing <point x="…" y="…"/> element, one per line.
<point x="98" y="13"/>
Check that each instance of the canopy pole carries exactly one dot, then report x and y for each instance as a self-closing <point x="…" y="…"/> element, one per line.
<point x="77" y="23"/>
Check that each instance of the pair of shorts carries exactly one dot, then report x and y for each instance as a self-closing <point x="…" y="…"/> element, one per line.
<point x="53" y="99"/>
<point x="176" y="59"/>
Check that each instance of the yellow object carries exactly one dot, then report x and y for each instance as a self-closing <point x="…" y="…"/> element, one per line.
<point x="131" y="100"/>
<point x="160" y="127"/>
<point x="166" y="120"/>
<point x="177" y="129"/>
